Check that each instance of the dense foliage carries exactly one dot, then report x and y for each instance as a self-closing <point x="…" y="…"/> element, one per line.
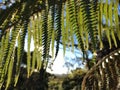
<point x="74" y="80"/>
<point x="50" y="22"/>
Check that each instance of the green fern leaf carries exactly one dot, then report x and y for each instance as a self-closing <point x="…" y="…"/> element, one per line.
<point x="74" y="23"/>
<point x="58" y="25"/>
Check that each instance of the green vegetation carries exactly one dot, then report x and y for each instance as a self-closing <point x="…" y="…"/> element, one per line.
<point x="74" y="80"/>
<point x="94" y="23"/>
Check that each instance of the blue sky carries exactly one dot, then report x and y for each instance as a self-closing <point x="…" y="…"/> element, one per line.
<point x="59" y="64"/>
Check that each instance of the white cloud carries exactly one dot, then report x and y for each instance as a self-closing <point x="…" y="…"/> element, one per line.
<point x="58" y="64"/>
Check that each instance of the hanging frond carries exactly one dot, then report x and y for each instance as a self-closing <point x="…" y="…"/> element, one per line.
<point x="28" y="51"/>
<point x="58" y="25"/>
<point x="90" y="19"/>
<point x="51" y="22"/>
<point x="110" y="20"/>
<point x="74" y="23"/>
<point x="10" y="69"/>
<point x="6" y="61"/>
<point x="20" y="49"/>
<point x="4" y="52"/>
<point x="44" y="33"/>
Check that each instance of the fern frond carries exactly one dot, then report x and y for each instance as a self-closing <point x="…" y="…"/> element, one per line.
<point x="51" y="30"/>
<point x="90" y="20"/>
<point x="110" y="20"/>
<point x="53" y="43"/>
<point x="32" y="59"/>
<point x="15" y="33"/>
<point x="109" y="76"/>
<point x="40" y="42"/>
<point x="45" y="33"/>
<point x="51" y="22"/>
<point x="14" y="16"/>
<point x="113" y="72"/>
<point x="104" y="81"/>
<point x="58" y="25"/>
<point x="116" y="17"/>
<point x="100" y="26"/>
<point x="10" y="71"/>
<point x="35" y="30"/>
<point x="64" y="31"/>
<point x="108" y="71"/>
<point x="33" y="62"/>
<point x="28" y="50"/>
<point x="4" y="48"/>
<point x="20" y="49"/>
<point x="74" y="23"/>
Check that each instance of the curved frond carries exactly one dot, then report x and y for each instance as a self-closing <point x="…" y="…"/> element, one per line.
<point x="108" y="73"/>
